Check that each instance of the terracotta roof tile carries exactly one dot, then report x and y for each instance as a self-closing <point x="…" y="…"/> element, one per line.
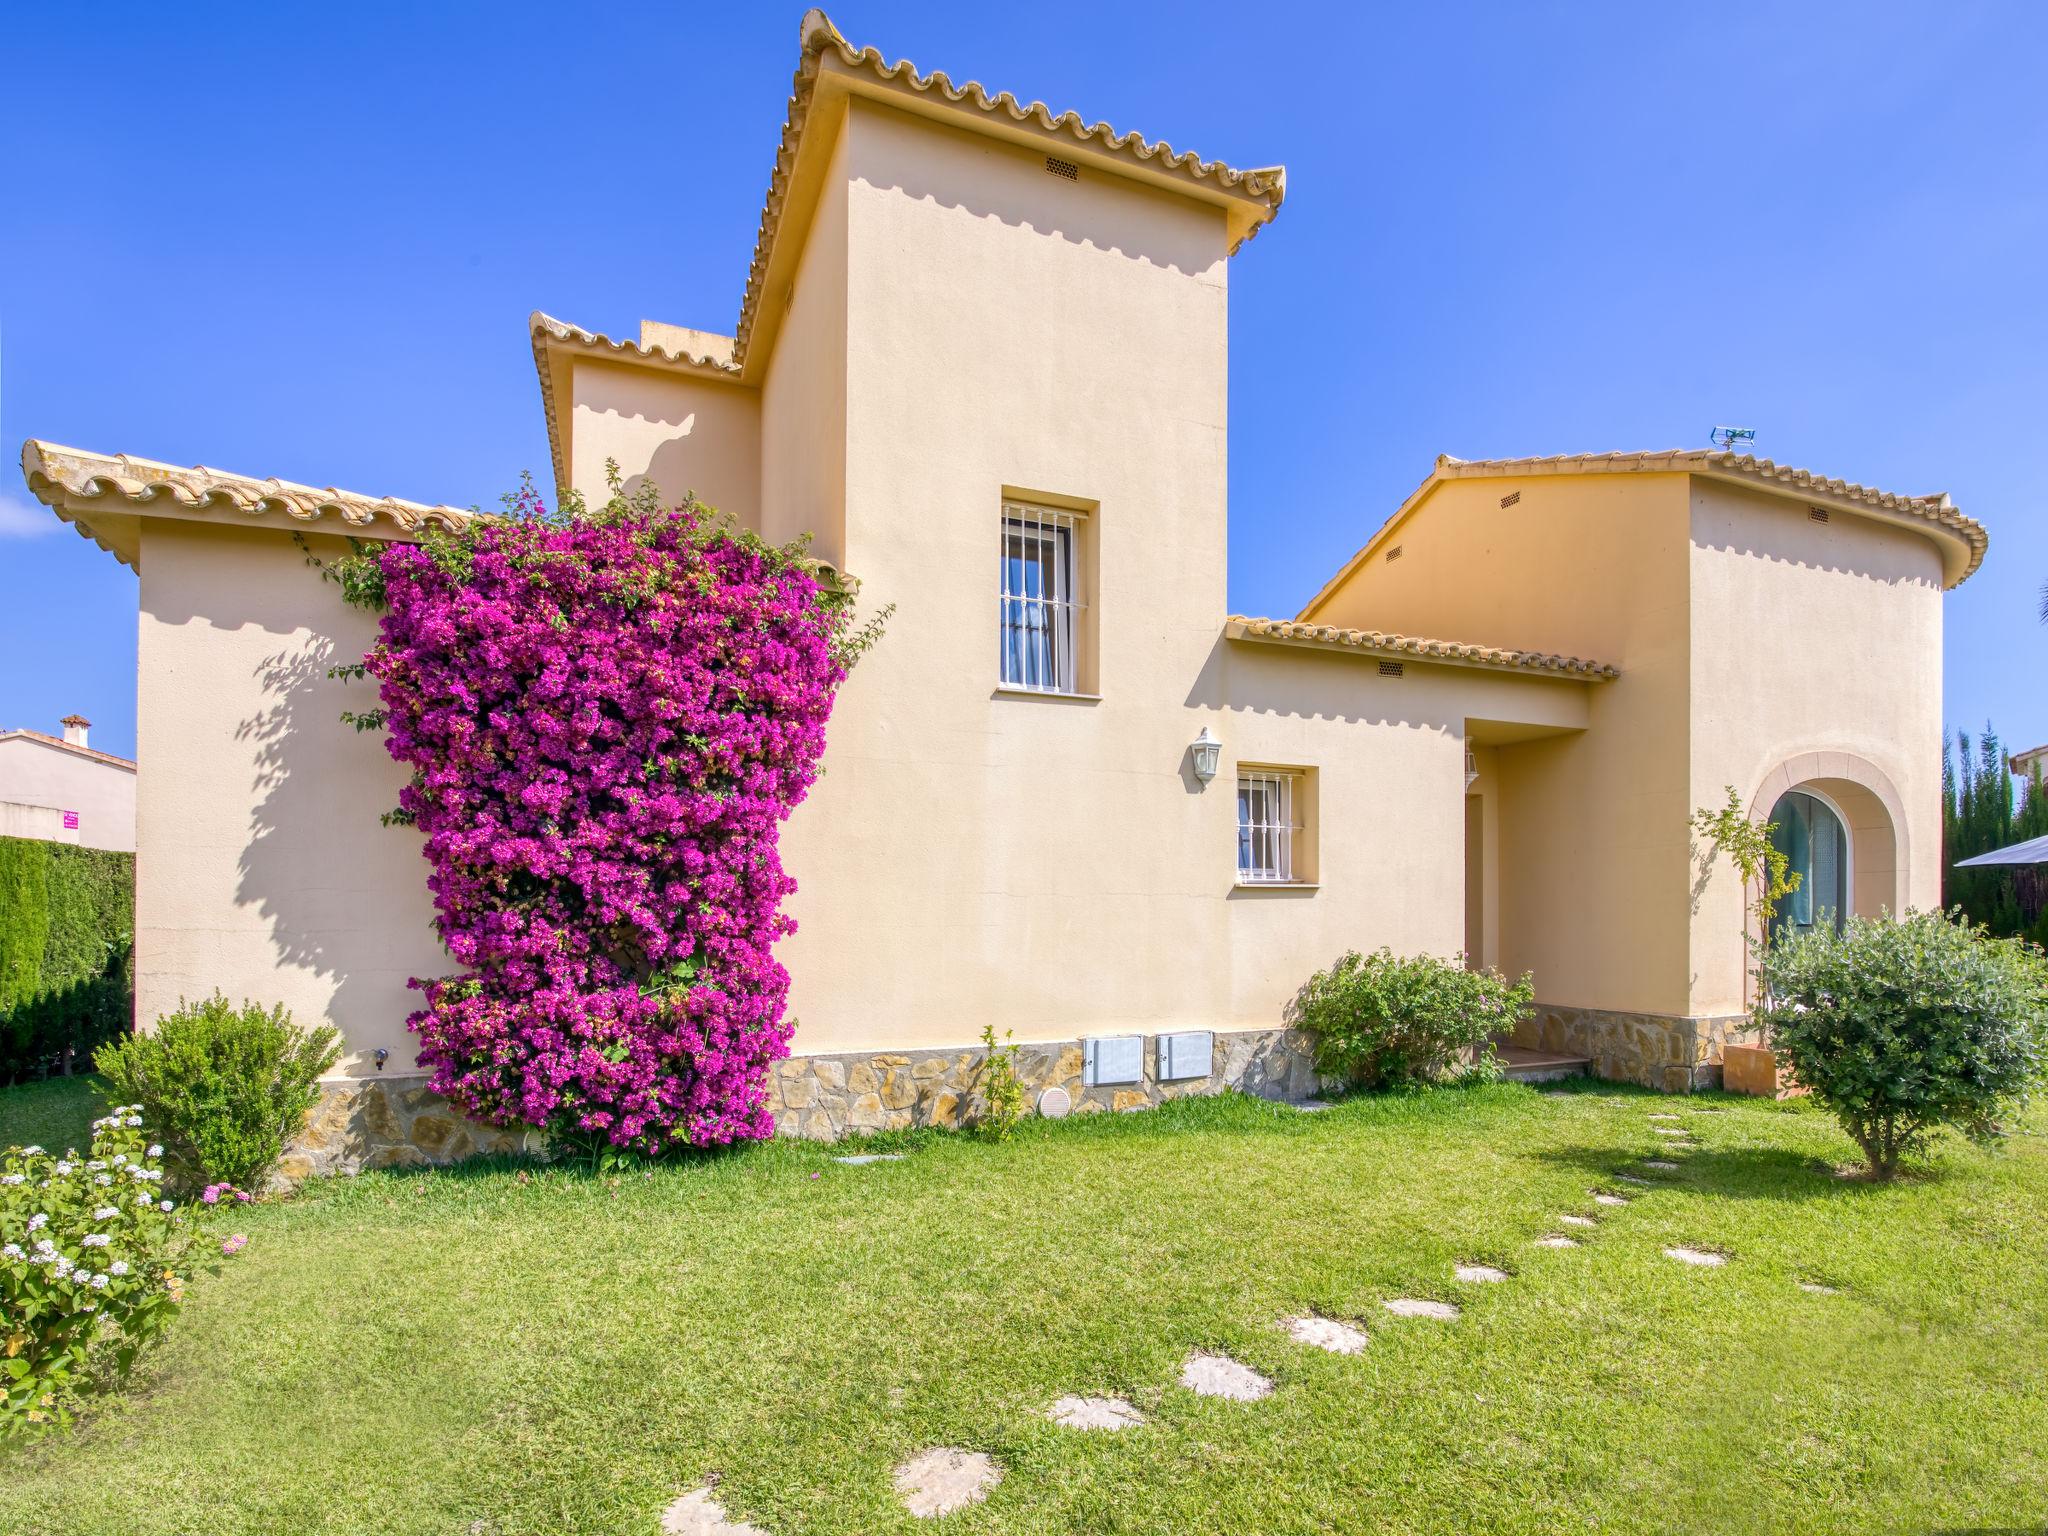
<point x="1453" y="652"/>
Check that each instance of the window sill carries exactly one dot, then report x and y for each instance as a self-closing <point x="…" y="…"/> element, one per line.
<point x="1003" y="691"/>
<point x="1278" y="885"/>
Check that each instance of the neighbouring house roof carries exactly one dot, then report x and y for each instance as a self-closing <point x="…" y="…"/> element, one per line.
<point x="2024" y="763"/>
<point x="1415" y="648"/>
<point x="92" y="754"/>
<point x="102" y="494"/>
<point x="1963" y="539"/>
<point x="556" y="343"/>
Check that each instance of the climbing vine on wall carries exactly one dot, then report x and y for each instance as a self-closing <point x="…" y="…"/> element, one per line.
<point x="608" y="716"/>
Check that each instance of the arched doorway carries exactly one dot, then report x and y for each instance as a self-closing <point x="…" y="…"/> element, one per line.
<point x="1863" y="824"/>
<point x="1813" y="835"/>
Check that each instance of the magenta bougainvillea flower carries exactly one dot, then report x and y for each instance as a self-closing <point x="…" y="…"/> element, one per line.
<point x="608" y="718"/>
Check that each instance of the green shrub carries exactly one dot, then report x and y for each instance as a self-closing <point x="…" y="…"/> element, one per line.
<point x="1385" y="1020"/>
<point x="67" y="916"/>
<point x="227" y="1086"/>
<point x="92" y="1265"/>
<point x="1902" y="1027"/>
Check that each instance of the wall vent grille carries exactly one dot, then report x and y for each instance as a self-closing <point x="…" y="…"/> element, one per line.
<point x="1065" y="168"/>
<point x="1817" y="514"/>
<point x="1390" y="668"/>
<point x="1393" y="554"/>
<point x="1510" y="499"/>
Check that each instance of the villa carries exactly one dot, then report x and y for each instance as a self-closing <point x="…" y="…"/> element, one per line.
<point x="981" y="361"/>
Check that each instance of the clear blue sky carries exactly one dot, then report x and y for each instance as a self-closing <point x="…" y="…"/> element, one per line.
<point x="303" y="241"/>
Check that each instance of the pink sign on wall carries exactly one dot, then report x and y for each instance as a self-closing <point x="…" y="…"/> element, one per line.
<point x="71" y="821"/>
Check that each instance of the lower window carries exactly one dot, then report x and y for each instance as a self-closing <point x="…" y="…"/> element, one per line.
<point x="1268" y="826"/>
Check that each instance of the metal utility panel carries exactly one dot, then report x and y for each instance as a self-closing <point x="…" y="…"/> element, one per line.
<point x="1187" y="1055"/>
<point x="1113" y="1059"/>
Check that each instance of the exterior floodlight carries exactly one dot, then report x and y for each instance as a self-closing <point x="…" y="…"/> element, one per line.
<point x="1207" y="750"/>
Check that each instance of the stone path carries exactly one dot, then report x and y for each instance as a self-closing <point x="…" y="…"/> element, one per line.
<point x="697" y="1513"/>
<point x="1096" y="1413"/>
<point x="1699" y="1256"/>
<point x="941" y="1480"/>
<point x="1326" y="1333"/>
<point x="1815" y="1288"/>
<point x="1221" y="1376"/>
<point x="1409" y="1306"/>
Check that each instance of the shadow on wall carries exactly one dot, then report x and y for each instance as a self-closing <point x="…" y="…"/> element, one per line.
<point x="345" y="897"/>
<point x="1099" y="210"/>
<point x="1249" y="678"/>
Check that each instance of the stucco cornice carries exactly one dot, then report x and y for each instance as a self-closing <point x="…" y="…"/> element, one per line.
<point x="1412" y="647"/>
<point x="85" y="489"/>
<point x="828" y="61"/>
<point x="556" y="341"/>
<point x="1962" y="539"/>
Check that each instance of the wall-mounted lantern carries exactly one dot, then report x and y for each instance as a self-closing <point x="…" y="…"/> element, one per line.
<point x="1206" y="749"/>
<point x="1471" y="766"/>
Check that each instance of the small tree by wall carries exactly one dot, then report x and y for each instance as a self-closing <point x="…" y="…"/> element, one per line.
<point x="1763" y="870"/>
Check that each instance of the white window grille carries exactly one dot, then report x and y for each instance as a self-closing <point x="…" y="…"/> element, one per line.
<point x="1266" y="827"/>
<point x="1038" y="626"/>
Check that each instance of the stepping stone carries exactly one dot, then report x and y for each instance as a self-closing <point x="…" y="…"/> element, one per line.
<point x="1629" y="1178"/>
<point x="1699" y="1256"/>
<point x="1557" y="1240"/>
<point x="1221" y="1376"/>
<point x="1660" y="1164"/>
<point x="1670" y="1130"/>
<point x="1599" y="1199"/>
<point x="1578" y="1221"/>
<point x="941" y="1480"/>
<point x="697" y="1513"/>
<point x="1312" y="1106"/>
<point x="1815" y="1288"/>
<point x="1408" y="1306"/>
<point x="1096" y="1413"/>
<point x="864" y="1158"/>
<point x="1326" y="1333"/>
<point x="1479" y="1274"/>
<point x="1663" y="1117"/>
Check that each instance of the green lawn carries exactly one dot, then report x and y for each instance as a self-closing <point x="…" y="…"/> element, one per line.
<point x="56" y="1113"/>
<point x="481" y="1351"/>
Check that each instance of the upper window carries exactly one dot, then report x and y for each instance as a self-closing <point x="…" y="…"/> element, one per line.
<point x="1268" y="826"/>
<point x="1040" y="607"/>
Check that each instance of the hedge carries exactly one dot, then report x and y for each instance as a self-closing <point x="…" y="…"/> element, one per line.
<point x="67" y="982"/>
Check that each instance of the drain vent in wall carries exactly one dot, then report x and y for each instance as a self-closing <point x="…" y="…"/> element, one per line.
<point x="1818" y="514"/>
<point x="1390" y="669"/>
<point x="1394" y="553"/>
<point x="1510" y="499"/>
<point x="1065" y="168"/>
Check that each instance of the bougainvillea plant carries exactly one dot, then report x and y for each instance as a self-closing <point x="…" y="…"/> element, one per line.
<point x="608" y="714"/>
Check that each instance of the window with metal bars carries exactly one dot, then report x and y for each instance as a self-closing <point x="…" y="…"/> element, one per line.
<point x="1268" y="826"/>
<point x="1039" y="605"/>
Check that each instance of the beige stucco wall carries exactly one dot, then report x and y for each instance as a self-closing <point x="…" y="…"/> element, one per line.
<point x="1818" y="645"/>
<point x="1591" y="848"/>
<point x="804" y="396"/>
<point x="685" y="434"/>
<point x="263" y="870"/>
<point x="37" y="776"/>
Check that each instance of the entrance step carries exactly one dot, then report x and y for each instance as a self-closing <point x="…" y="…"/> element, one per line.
<point x="1530" y="1066"/>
